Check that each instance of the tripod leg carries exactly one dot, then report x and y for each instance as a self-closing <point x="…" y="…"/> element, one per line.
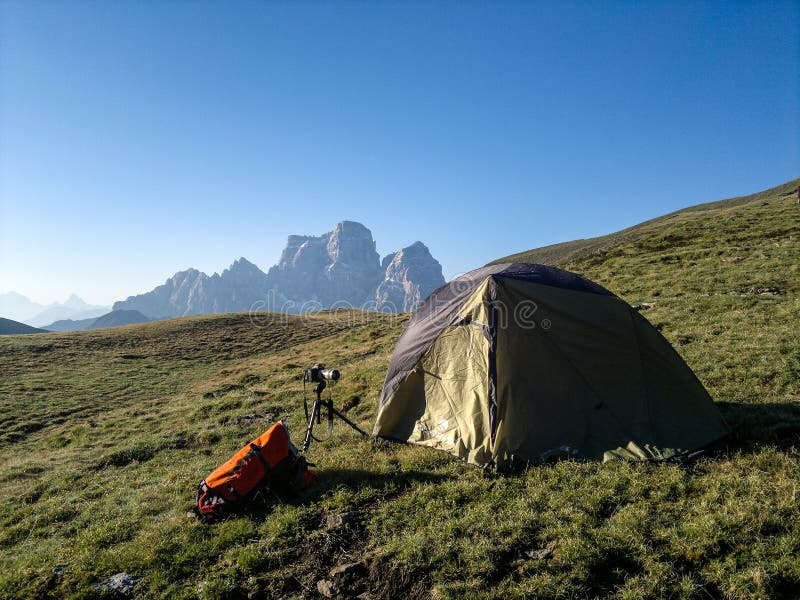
<point x="310" y="427"/>
<point x="348" y="421"/>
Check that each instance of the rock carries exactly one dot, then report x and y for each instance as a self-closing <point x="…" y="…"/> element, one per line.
<point x="539" y="553"/>
<point x="346" y="568"/>
<point x="121" y="583"/>
<point x="327" y="588"/>
<point x="767" y="291"/>
<point x="643" y="306"/>
<point x="410" y="276"/>
<point x="341" y="269"/>
<point x="335" y="521"/>
<point x="58" y="570"/>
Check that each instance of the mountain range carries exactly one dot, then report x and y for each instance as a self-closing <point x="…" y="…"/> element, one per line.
<point x="19" y="308"/>
<point x="340" y="268"/>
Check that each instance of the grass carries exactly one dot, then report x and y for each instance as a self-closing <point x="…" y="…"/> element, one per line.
<point x="105" y="434"/>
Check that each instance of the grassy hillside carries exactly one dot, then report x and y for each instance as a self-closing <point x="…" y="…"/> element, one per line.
<point x="9" y="327"/>
<point x="106" y="433"/>
<point x="559" y="254"/>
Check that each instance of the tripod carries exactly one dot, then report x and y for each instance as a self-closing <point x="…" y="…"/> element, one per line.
<point x="316" y="415"/>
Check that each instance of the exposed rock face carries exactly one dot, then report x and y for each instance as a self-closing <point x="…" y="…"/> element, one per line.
<point x="337" y="269"/>
<point x="192" y="292"/>
<point x="177" y="297"/>
<point x="410" y="276"/>
<point x="240" y="287"/>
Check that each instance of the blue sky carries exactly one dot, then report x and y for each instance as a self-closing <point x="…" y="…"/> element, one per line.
<point x="140" y="138"/>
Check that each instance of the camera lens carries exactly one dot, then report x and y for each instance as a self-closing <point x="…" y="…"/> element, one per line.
<point x="330" y="374"/>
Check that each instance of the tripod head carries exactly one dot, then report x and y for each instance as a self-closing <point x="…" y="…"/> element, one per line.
<point x="318" y="389"/>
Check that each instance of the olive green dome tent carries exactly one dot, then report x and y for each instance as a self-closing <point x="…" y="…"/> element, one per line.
<point x="523" y="362"/>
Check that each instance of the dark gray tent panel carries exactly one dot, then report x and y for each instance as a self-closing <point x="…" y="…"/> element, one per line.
<point x="525" y="362"/>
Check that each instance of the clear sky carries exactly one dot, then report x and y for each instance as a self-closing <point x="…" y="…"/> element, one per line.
<point x="141" y="138"/>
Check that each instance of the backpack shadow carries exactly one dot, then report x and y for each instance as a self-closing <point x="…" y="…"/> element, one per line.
<point x="328" y="480"/>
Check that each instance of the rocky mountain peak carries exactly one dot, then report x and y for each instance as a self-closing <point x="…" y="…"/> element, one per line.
<point x="242" y="266"/>
<point x="76" y="302"/>
<point x="336" y="268"/>
<point x="351" y="241"/>
<point x="411" y="274"/>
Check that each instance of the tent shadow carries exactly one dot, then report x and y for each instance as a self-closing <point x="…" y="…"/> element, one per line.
<point x="754" y="425"/>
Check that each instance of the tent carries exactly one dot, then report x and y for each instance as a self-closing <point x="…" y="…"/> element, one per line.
<point x="523" y="363"/>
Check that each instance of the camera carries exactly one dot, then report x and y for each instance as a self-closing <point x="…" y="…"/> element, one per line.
<point x="319" y="373"/>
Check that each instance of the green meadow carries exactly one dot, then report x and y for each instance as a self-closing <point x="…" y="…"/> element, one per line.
<point x="105" y="434"/>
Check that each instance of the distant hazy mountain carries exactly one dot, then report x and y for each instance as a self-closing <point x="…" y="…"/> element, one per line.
<point x="111" y="319"/>
<point x="70" y="324"/>
<point x="338" y="268"/>
<point x="117" y="318"/>
<point x="7" y="327"/>
<point x="57" y="313"/>
<point x="18" y="307"/>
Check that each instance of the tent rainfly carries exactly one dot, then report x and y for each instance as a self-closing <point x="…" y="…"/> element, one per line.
<point x="523" y="363"/>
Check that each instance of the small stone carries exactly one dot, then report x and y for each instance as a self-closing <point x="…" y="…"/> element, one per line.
<point x="335" y="521"/>
<point x="539" y="553"/>
<point x="121" y="583"/>
<point x="768" y="291"/>
<point x="59" y="570"/>
<point x="346" y="568"/>
<point x="327" y="588"/>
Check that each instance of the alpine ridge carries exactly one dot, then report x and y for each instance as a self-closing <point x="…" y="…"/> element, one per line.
<point x="340" y="268"/>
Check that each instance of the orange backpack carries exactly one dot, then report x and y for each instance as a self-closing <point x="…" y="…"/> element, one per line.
<point x="270" y="460"/>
